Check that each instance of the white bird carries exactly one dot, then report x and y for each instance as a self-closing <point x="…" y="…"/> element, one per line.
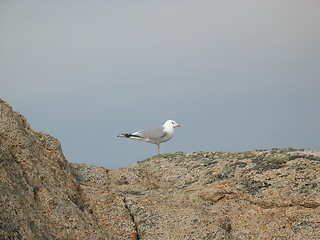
<point x="155" y="135"/>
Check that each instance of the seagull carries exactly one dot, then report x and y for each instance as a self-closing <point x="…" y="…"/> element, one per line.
<point x="155" y="135"/>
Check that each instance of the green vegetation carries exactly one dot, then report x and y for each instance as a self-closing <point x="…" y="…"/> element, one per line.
<point x="274" y="159"/>
<point x="165" y="155"/>
<point x="285" y="150"/>
<point x="145" y="160"/>
<point x="264" y="159"/>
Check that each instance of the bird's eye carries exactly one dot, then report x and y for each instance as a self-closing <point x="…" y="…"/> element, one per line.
<point x="172" y="123"/>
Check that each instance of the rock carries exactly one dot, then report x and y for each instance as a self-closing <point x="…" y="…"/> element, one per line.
<point x="271" y="194"/>
<point x="41" y="197"/>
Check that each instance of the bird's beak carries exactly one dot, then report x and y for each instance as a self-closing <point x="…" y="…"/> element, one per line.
<point x="179" y="125"/>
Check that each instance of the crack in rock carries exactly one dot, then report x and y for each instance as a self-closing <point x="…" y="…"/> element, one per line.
<point x="132" y="218"/>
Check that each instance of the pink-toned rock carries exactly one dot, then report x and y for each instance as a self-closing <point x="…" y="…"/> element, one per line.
<point x="272" y="194"/>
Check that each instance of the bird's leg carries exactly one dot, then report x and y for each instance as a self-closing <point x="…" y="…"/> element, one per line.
<point x="158" y="148"/>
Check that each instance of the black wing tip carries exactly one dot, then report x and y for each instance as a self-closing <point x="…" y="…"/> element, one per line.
<point x="128" y="135"/>
<point x="123" y="135"/>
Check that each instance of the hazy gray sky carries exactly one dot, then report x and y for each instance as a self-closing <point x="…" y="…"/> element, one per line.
<point x="238" y="75"/>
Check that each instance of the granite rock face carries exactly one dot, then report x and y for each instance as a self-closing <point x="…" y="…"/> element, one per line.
<point x="40" y="197"/>
<point x="271" y="194"/>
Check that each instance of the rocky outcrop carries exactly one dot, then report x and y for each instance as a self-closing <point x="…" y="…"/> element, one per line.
<point x="40" y="197"/>
<point x="272" y="194"/>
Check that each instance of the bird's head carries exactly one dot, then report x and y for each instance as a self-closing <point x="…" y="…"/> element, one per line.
<point x="172" y="123"/>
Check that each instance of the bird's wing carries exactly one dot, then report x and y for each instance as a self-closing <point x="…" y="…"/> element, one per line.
<point x="152" y="133"/>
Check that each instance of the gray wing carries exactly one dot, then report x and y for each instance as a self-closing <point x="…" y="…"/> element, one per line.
<point x="152" y="133"/>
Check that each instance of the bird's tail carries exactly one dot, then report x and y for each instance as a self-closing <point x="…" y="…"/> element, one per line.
<point x="126" y="135"/>
<point x="129" y="135"/>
